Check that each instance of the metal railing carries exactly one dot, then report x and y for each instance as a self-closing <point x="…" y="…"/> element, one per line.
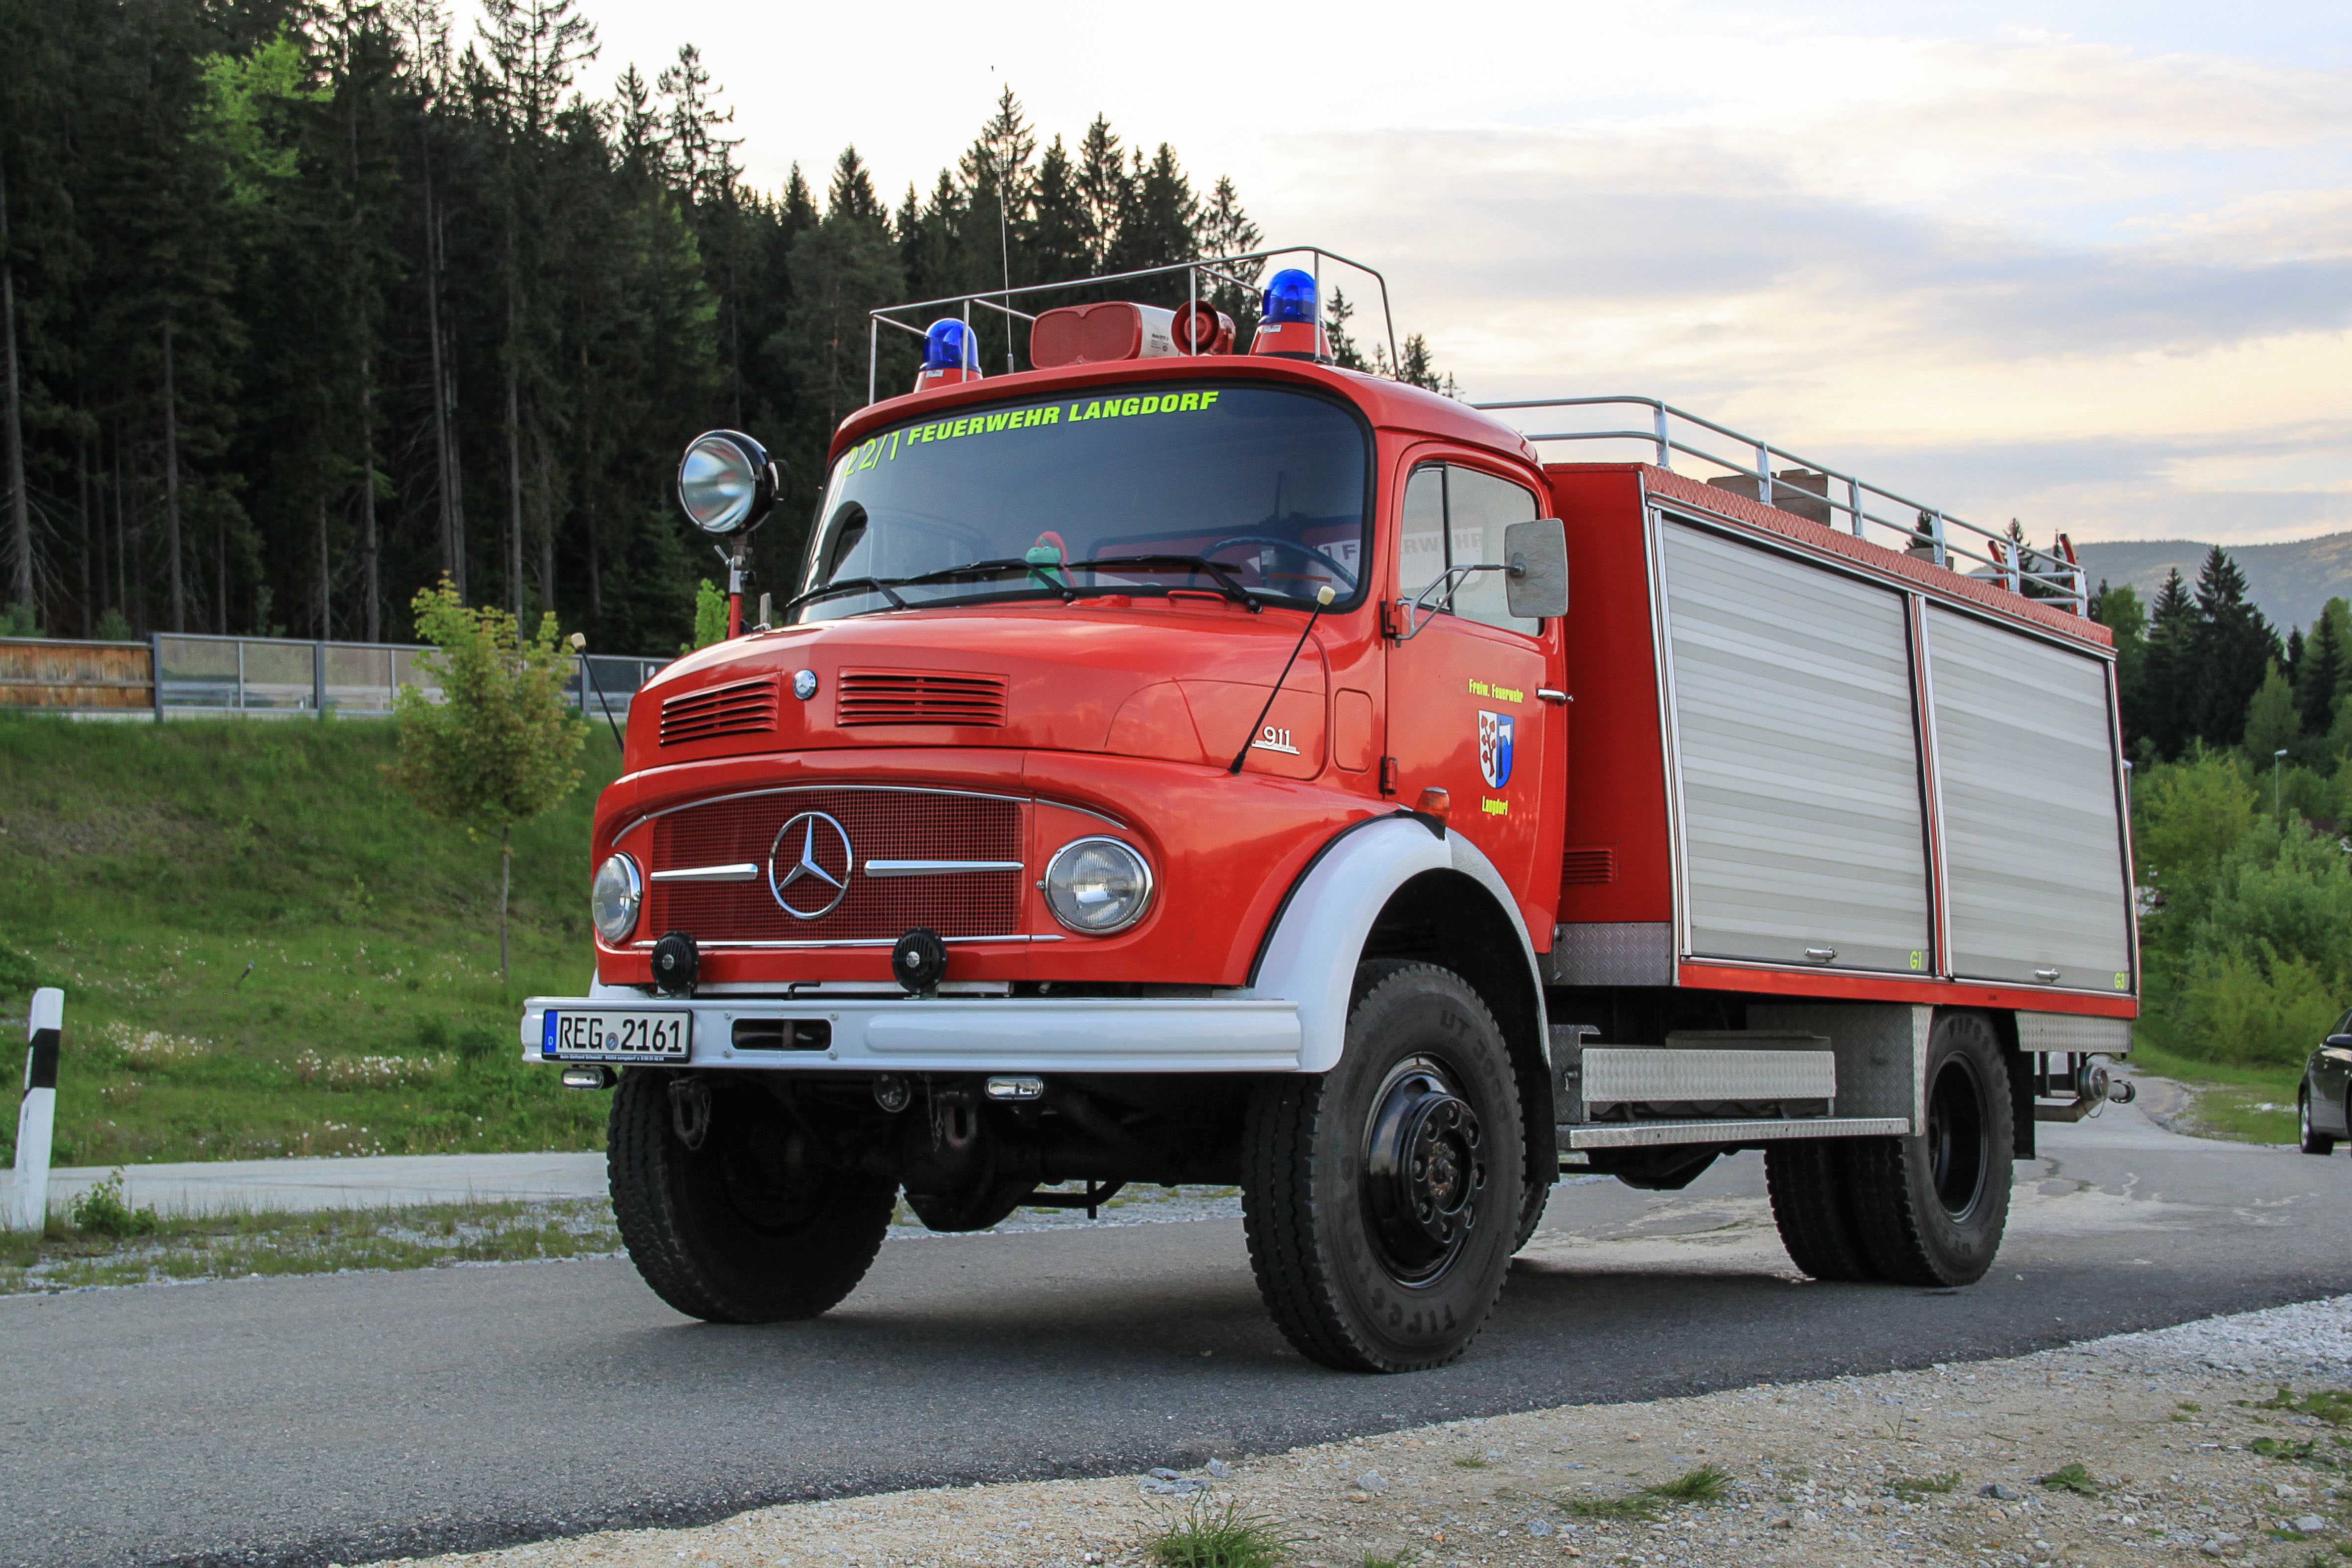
<point x="1218" y="269"/>
<point x="202" y="676"/>
<point x="1810" y="490"/>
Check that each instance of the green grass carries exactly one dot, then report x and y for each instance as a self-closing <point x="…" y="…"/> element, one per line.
<point x="1220" y="1538"/>
<point x="1911" y="1488"/>
<point x="267" y="951"/>
<point x="2333" y="1405"/>
<point x="153" y="1249"/>
<point x="2230" y="1096"/>
<point x="1629" y="1510"/>
<point x="1706" y="1484"/>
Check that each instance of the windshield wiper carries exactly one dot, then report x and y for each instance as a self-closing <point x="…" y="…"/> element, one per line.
<point x="1225" y="583"/>
<point x="850" y="585"/>
<point x="1197" y="563"/>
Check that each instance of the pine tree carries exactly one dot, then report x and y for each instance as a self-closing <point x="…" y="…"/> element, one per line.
<point x="1102" y="189"/>
<point x="2318" y="674"/>
<point x="2233" y="647"/>
<point x="2170" y="666"/>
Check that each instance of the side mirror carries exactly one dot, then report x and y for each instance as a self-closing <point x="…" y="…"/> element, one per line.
<point x="1535" y="581"/>
<point x="2340" y="1041"/>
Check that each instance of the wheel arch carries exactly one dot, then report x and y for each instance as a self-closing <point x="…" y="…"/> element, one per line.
<point x="1365" y="894"/>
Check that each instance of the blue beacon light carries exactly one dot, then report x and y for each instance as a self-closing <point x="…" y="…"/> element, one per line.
<point x="1289" y="323"/>
<point x="949" y="354"/>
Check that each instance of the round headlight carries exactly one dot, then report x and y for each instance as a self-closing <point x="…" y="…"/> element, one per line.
<point x="614" y="899"/>
<point x="726" y="482"/>
<point x="1097" y="886"/>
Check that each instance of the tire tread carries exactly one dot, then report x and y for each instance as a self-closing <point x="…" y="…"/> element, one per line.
<point x="1280" y="1197"/>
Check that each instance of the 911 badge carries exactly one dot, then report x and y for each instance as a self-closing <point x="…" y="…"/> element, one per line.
<point x="1494" y="747"/>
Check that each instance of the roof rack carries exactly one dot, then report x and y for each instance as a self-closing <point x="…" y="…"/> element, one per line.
<point x="1808" y="491"/>
<point x="1239" y="271"/>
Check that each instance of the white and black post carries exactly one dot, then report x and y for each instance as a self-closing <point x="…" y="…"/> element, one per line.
<point x="37" y="1117"/>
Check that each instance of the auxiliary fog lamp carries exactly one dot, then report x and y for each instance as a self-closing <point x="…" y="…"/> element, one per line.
<point x="726" y="482"/>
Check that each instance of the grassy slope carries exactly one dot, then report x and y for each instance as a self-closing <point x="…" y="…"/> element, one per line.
<point x="2230" y="1098"/>
<point x="145" y="867"/>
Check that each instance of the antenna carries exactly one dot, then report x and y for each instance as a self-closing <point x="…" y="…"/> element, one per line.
<point x="1005" y="250"/>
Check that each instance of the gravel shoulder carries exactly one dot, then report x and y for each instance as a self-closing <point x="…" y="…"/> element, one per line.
<point x="2184" y="1451"/>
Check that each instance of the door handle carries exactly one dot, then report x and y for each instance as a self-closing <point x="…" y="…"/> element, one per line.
<point x="2047" y="976"/>
<point x="1820" y="954"/>
<point x="1547" y="694"/>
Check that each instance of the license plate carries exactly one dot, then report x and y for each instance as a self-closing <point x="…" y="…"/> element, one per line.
<point x="610" y="1034"/>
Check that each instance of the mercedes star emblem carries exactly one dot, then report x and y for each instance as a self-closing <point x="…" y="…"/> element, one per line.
<point x="811" y="854"/>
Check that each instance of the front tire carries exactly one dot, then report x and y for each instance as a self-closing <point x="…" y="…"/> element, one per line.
<point x="1931" y="1207"/>
<point x="749" y="1224"/>
<point x="1382" y="1199"/>
<point x="2314" y="1140"/>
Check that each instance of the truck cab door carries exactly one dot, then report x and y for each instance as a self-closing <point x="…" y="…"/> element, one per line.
<point x="1463" y="709"/>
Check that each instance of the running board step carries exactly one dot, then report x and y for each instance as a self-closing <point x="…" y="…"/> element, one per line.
<point x="1697" y="1074"/>
<point x="1649" y="1134"/>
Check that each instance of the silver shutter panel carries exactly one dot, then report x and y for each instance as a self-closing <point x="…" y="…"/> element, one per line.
<point x="2031" y="846"/>
<point x="1799" y="758"/>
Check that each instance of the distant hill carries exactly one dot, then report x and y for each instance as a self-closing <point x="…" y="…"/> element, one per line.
<point x="2290" y="582"/>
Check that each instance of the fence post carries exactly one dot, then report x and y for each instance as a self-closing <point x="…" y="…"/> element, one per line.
<point x="36" y="1115"/>
<point x="318" y="678"/>
<point x="155" y="672"/>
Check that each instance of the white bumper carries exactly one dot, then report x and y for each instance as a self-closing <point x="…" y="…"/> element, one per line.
<point x="977" y="1034"/>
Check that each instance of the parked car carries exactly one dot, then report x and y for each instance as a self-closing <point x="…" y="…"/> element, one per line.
<point x="2321" y="1103"/>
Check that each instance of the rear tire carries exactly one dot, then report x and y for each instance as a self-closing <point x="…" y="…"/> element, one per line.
<point x="748" y="1227"/>
<point x="1931" y="1208"/>
<point x="1812" y="1204"/>
<point x="2314" y="1140"/>
<point x="1382" y="1199"/>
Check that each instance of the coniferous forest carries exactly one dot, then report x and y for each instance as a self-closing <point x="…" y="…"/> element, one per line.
<point x="307" y="305"/>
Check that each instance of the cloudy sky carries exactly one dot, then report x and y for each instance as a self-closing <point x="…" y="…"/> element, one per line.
<point x="2086" y="264"/>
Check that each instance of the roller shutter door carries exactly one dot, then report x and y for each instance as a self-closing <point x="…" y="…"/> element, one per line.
<point x="1799" y="757"/>
<point x="2031" y="846"/>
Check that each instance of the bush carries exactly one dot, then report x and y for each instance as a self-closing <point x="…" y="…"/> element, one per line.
<point x="100" y="1211"/>
<point x="2249" y="955"/>
<point x="18" y="975"/>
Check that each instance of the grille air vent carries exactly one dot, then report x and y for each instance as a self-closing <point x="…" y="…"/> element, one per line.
<point x="920" y="697"/>
<point x="738" y="708"/>
<point x="1589" y="867"/>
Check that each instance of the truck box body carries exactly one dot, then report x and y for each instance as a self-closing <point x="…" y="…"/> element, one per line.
<point x="1801" y="763"/>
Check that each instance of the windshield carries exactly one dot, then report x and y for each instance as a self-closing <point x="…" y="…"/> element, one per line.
<point x="1250" y="491"/>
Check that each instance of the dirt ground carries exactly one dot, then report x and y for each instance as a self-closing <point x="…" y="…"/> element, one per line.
<point x="2184" y="1451"/>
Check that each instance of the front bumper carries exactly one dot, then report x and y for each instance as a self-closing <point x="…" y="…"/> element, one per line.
<point x="970" y="1033"/>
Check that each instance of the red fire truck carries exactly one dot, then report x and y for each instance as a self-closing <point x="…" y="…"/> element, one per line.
<point x="1176" y="764"/>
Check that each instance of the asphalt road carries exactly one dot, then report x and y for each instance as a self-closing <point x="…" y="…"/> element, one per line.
<point x="343" y="1418"/>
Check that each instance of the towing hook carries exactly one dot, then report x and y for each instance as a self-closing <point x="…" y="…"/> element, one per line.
<point x="2122" y="1091"/>
<point x="689" y="1111"/>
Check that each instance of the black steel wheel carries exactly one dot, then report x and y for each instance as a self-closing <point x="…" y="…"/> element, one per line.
<point x="2314" y="1140"/>
<point x="1813" y="1207"/>
<point x="728" y="1209"/>
<point x="1382" y="1199"/>
<point x="1931" y="1209"/>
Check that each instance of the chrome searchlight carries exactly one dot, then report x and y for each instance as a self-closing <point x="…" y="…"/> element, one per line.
<point x="726" y="482"/>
